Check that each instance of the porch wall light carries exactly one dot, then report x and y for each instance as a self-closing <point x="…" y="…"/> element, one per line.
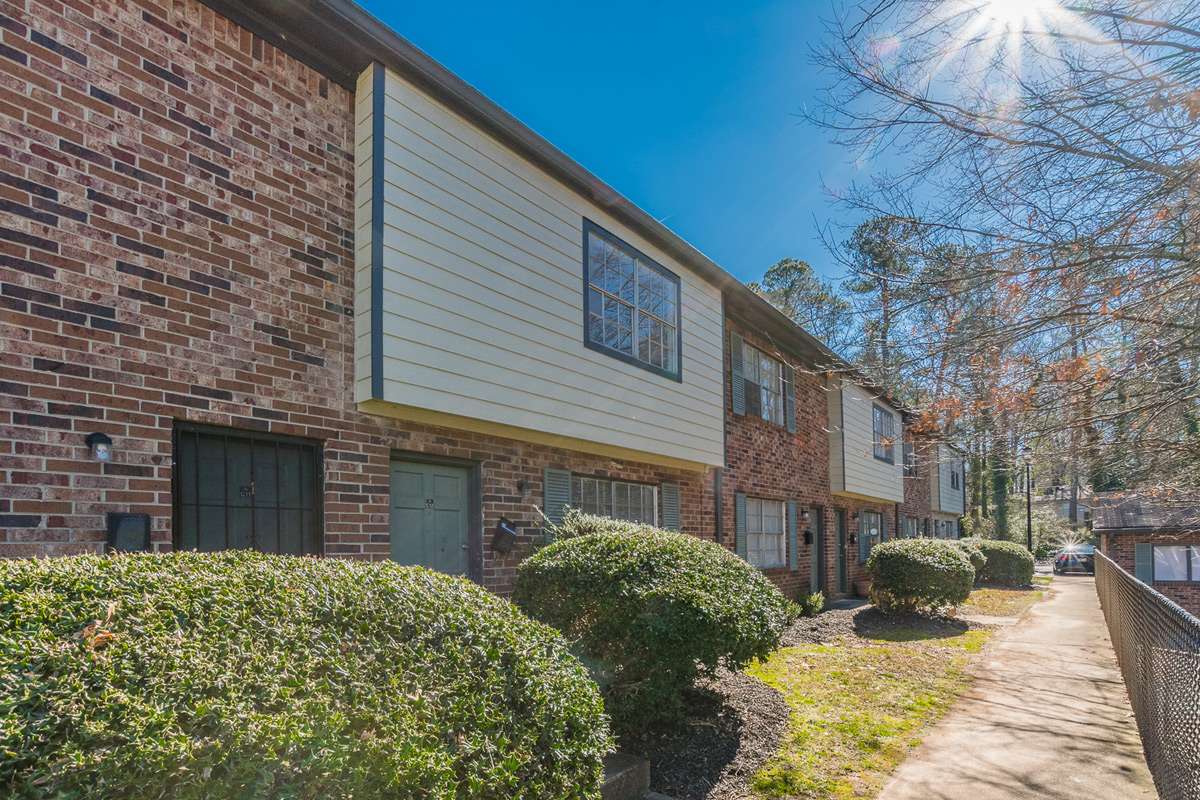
<point x="100" y="446"/>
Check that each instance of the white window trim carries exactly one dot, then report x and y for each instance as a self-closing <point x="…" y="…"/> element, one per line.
<point x="780" y="389"/>
<point x="781" y="550"/>
<point x="612" y="484"/>
<point x="1191" y="563"/>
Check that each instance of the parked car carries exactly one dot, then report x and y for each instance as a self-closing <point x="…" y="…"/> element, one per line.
<point x="1076" y="558"/>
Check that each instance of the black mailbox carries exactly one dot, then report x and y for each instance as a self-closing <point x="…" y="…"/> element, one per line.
<point x="505" y="536"/>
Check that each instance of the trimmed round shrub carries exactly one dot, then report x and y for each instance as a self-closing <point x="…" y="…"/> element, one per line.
<point x="650" y="612"/>
<point x="918" y="574"/>
<point x="1008" y="564"/>
<point x="240" y="675"/>
<point x="971" y="549"/>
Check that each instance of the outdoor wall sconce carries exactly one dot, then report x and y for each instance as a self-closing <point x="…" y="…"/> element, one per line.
<point x="505" y="536"/>
<point x="854" y="516"/>
<point x="100" y="446"/>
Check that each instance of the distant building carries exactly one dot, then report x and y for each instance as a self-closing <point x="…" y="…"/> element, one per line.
<point x="1158" y="540"/>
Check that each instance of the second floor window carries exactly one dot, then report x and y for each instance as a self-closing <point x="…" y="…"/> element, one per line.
<point x="884" y="429"/>
<point x="910" y="461"/>
<point x="763" y="377"/>
<point x="635" y="502"/>
<point x="954" y="482"/>
<point x="632" y="304"/>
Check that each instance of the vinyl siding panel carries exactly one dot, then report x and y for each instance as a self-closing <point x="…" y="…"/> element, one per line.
<point x="949" y="499"/>
<point x="363" y="120"/>
<point x="836" y="440"/>
<point x="483" y="295"/>
<point x="865" y="474"/>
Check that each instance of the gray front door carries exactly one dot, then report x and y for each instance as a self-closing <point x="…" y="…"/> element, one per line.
<point x="430" y="512"/>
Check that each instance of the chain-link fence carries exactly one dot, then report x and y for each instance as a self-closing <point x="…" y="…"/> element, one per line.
<point x="1158" y="647"/>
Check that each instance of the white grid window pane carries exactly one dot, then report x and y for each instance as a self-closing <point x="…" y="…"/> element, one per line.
<point x="765" y="544"/>
<point x="1171" y="563"/>
<point x="632" y="305"/>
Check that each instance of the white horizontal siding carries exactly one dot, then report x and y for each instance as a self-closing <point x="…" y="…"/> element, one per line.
<point x="865" y="474"/>
<point x="362" y="237"/>
<point x="483" y="296"/>
<point x="836" y="441"/>
<point x="949" y="499"/>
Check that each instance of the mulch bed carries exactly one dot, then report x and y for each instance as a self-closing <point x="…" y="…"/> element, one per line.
<point x="735" y="723"/>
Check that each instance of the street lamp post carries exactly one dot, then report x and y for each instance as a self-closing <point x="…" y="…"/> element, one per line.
<point x="1027" y="457"/>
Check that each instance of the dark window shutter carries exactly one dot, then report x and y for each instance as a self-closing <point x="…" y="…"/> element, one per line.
<point x="815" y="571"/>
<point x="558" y="494"/>
<point x="1143" y="562"/>
<point x="735" y="369"/>
<point x="789" y="398"/>
<point x="793" y="537"/>
<point x="739" y="520"/>
<point x="669" y="503"/>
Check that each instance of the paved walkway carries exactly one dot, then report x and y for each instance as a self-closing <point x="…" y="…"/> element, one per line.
<point x="1046" y="718"/>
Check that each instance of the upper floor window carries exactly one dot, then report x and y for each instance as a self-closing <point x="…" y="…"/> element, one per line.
<point x="954" y="480"/>
<point x="883" y="426"/>
<point x="631" y="305"/>
<point x="910" y="461"/>
<point x="764" y="532"/>
<point x="635" y="502"/>
<point x="765" y="384"/>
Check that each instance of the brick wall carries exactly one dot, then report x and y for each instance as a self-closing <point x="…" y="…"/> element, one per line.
<point x="917" y="500"/>
<point x="175" y="245"/>
<point x="853" y="507"/>
<point x="1120" y="548"/>
<point x="765" y="460"/>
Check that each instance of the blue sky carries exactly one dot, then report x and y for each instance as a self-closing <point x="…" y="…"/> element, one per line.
<point x="690" y="109"/>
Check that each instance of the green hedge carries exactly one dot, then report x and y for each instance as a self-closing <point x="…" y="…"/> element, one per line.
<point x="917" y="574"/>
<point x="974" y="553"/>
<point x="650" y="612"/>
<point x="238" y="675"/>
<point x="1008" y="563"/>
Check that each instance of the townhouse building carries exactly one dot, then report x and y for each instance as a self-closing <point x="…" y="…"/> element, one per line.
<point x="773" y="502"/>
<point x="866" y="473"/>
<point x="312" y="294"/>
<point x="947" y="490"/>
<point x="273" y="278"/>
<point x="934" y="487"/>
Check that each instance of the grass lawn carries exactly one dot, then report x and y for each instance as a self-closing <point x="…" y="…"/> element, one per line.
<point x="858" y="706"/>
<point x="995" y="601"/>
<point x="1043" y="580"/>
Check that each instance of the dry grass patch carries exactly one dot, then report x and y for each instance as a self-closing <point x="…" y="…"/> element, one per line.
<point x="995" y="601"/>
<point x="858" y="705"/>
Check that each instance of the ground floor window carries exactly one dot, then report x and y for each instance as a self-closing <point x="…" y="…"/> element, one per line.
<point x="764" y="532"/>
<point x="635" y="502"/>
<point x="237" y="489"/>
<point x="870" y="532"/>
<point x="1176" y="563"/>
<point x="910" y="528"/>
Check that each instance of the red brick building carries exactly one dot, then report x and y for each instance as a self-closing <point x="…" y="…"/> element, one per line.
<point x="177" y="273"/>
<point x="312" y="293"/>
<point x="1155" y="539"/>
<point x="775" y="486"/>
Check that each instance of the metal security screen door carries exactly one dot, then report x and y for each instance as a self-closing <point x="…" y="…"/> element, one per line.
<point x="244" y="490"/>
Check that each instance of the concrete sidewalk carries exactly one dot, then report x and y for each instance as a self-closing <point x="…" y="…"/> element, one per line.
<point x="1047" y="717"/>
